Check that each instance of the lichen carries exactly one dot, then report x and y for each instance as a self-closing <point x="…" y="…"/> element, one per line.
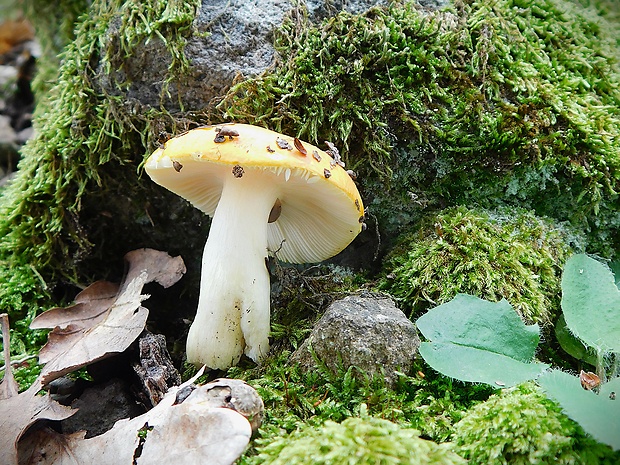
<point x="508" y="102"/>
<point x="511" y="254"/>
<point x="522" y="426"/>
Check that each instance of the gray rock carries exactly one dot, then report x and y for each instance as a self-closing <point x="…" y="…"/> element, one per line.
<point x="232" y="39"/>
<point x="364" y="331"/>
<point x="321" y="9"/>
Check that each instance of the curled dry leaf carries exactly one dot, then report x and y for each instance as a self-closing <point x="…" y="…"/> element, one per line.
<point x="195" y="431"/>
<point x="589" y="380"/>
<point x="19" y="411"/>
<point x="106" y="318"/>
<point x="13" y="32"/>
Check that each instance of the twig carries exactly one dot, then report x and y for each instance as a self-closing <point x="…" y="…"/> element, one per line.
<point x="9" y="385"/>
<point x="19" y="361"/>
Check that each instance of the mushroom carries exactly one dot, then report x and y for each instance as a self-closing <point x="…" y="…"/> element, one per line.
<point x="263" y="198"/>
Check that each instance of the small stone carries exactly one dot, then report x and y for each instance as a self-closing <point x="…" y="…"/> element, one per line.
<point x="365" y="331"/>
<point x="7" y="133"/>
<point x="8" y="74"/>
<point x="234" y="394"/>
<point x="63" y="390"/>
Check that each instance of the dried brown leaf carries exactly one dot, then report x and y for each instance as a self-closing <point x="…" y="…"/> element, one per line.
<point x="91" y="306"/>
<point x="13" y="32"/>
<point x="19" y="411"/>
<point x="199" y="430"/>
<point x="106" y="318"/>
<point x="45" y="445"/>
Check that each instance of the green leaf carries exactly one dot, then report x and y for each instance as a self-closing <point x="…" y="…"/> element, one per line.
<point x="598" y="415"/>
<point x="572" y="345"/>
<point x="591" y="303"/>
<point x="610" y="389"/>
<point x="615" y="269"/>
<point x="479" y="341"/>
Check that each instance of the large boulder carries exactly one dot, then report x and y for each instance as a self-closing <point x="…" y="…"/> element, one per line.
<point x="230" y="40"/>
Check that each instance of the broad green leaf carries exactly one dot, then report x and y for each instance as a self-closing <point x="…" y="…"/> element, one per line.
<point x="598" y="415"/>
<point x="479" y="341"/>
<point x="591" y="303"/>
<point x="615" y="269"/>
<point x="610" y="389"/>
<point x="478" y="365"/>
<point x="571" y="344"/>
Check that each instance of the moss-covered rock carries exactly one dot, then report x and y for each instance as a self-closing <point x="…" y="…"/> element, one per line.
<point x="511" y="254"/>
<point x="522" y="426"/>
<point x="505" y="102"/>
<point x="77" y="184"/>
<point x="508" y="102"/>
<point x="357" y="440"/>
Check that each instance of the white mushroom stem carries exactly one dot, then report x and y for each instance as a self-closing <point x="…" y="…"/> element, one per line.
<point x="233" y="308"/>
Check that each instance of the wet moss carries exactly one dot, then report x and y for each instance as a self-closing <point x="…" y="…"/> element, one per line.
<point x="296" y="399"/>
<point x="522" y="426"/>
<point x="510" y="254"/>
<point x="55" y="28"/>
<point x="369" y="440"/>
<point x="508" y="102"/>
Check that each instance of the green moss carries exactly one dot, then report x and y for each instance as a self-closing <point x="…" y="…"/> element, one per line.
<point x="513" y="255"/>
<point x="503" y="102"/>
<point x="299" y="297"/>
<point x="88" y="144"/>
<point x="426" y="401"/>
<point x="522" y="426"/>
<point x="363" y="440"/>
<point x="55" y="27"/>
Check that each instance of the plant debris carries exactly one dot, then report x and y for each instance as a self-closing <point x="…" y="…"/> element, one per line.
<point x="106" y="318"/>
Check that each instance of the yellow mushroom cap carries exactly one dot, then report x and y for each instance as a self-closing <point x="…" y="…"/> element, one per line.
<point x="322" y="211"/>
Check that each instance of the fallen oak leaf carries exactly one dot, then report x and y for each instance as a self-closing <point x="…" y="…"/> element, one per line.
<point x="19" y="411"/>
<point x="106" y="318"/>
<point x="206" y="427"/>
<point x="89" y="308"/>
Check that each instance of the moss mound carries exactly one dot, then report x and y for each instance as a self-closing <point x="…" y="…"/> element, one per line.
<point x="359" y="440"/>
<point x="512" y="255"/>
<point x="509" y="102"/>
<point x="521" y="427"/>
